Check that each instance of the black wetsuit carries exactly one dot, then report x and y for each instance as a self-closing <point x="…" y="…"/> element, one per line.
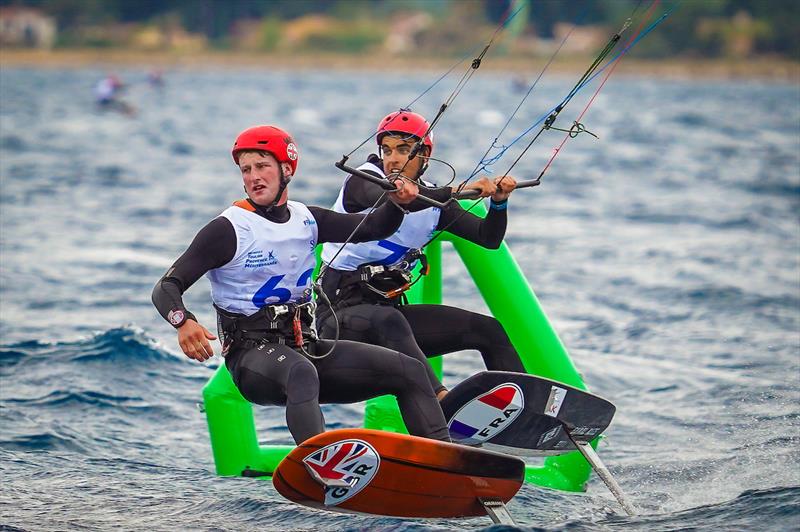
<point x="420" y="330"/>
<point x="272" y="373"/>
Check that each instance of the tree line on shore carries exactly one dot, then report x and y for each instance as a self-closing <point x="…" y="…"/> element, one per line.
<point x="696" y="28"/>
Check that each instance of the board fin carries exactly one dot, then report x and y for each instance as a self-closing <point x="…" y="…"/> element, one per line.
<point x="602" y="471"/>
<point x="497" y="511"/>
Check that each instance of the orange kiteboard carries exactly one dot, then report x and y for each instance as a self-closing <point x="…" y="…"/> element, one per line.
<point x="384" y="473"/>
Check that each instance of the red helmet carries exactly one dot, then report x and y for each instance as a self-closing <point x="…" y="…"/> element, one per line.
<point x="405" y="121"/>
<point x="270" y="139"/>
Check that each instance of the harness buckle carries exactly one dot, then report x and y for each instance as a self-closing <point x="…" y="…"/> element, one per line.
<point x="276" y="311"/>
<point x="370" y="270"/>
<point x="412" y="257"/>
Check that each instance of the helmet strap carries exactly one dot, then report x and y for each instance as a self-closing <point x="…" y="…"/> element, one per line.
<point x="284" y="179"/>
<point x="424" y="165"/>
<point x="422" y="168"/>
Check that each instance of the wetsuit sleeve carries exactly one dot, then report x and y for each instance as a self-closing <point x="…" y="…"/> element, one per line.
<point x="212" y="247"/>
<point x="486" y="232"/>
<point x="360" y="194"/>
<point x="337" y="227"/>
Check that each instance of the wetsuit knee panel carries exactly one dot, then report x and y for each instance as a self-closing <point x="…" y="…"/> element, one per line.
<point x="273" y="374"/>
<point x="302" y="383"/>
<point x="494" y="345"/>
<point x="357" y="318"/>
<point x="381" y="325"/>
<point x="413" y="370"/>
<point x="488" y="329"/>
<point x="259" y="390"/>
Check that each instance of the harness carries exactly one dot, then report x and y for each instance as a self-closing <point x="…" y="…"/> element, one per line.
<point x="291" y="324"/>
<point x="374" y="283"/>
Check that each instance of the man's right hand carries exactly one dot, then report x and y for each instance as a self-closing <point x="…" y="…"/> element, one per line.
<point x="406" y="191"/>
<point x="193" y="339"/>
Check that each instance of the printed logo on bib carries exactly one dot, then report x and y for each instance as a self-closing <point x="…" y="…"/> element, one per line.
<point x="555" y="401"/>
<point x="486" y="416"/>
<point x="257" y="259"/>
<point x="354" y="462"/>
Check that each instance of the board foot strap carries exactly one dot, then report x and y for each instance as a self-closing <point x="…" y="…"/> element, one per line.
<point x="497" y="510"/>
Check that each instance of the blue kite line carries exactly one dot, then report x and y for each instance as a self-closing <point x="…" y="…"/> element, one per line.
<point x="485" y="163"/>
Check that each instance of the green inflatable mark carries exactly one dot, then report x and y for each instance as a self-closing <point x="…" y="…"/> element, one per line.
<point x="230" y="417"/>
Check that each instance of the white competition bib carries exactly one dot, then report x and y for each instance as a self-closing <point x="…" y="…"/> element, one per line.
<point x="416" y="230"/>
<point x="273" y="262"/>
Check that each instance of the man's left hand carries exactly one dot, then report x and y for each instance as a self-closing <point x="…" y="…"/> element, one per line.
<point x="504" y="186"/>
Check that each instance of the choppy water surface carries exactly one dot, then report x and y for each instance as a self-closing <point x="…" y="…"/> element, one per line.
<point x="666" y="254"/>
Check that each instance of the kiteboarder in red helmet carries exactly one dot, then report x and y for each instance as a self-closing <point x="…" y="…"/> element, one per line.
<point x="258" y="255"/>
<point x="366" y="282"/>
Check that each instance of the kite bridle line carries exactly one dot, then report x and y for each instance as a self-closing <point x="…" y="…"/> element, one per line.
<point x="591" y="73"/>
<point x="548" y="122"/>
<point x="474" y="65"/>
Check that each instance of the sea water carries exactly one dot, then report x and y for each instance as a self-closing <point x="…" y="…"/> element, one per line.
<point x="666" y="254"/>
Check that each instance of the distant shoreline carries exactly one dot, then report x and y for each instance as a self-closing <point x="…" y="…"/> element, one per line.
<point x="757" y="68"/>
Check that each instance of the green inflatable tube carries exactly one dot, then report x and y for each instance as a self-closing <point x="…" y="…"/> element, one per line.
<point x="231" y="425"/>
